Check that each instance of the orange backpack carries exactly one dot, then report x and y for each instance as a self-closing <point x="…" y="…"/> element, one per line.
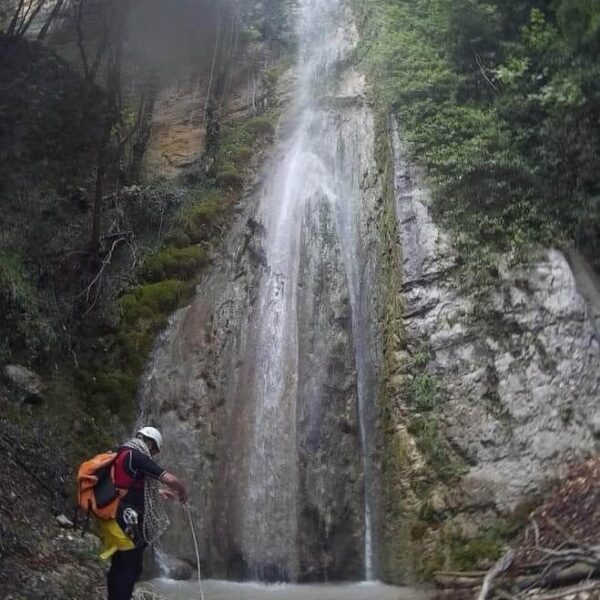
<point x="96" y="490"/>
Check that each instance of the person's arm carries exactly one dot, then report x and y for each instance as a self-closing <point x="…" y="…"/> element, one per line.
<point x="174" y="484"/>
<point x="148" y="467"/>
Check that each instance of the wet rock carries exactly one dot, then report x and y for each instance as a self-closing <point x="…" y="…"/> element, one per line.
<point x="26" y="382"/>
<point x="175" y="568"/>
<point x="277" y="481"/>
<point x="64" y="521"/>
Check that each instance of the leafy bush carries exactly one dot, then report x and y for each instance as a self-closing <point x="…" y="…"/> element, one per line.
<point x="425" y="392"/>
<point x="200" y="217"/>
<point x="500" y="101"/>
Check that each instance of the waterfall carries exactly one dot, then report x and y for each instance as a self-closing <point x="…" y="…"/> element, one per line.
<point x="311" y="183"/>
<point x="268" y="380"/>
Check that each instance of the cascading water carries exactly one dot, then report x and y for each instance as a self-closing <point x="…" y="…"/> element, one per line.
<point x="267" y="383"/>
<point x="315" y="182"/>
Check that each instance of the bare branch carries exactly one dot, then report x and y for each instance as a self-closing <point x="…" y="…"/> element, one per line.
<point x="483" y="72"/>
<point x="500" y="567"/>
<point x="95" y="285"/>
<point x="55" y="12"/>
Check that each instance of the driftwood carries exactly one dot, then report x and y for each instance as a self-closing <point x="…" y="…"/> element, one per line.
<point x="567" y="564"/>
<point x="457" y="582"/>
<point x="500" y="567"/>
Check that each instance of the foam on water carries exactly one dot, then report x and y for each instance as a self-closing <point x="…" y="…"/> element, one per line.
<point x="227" y="590"/>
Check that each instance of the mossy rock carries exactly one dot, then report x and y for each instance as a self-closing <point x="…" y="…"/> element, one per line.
<point x="202" y="216"/>
<point x="230" y="178"/>
<point x="150" y="302"/>
<point x="260" y="126"/>
<point x="182" y="263"/>
<point x="178" y="239"/>
<point x="241" y="154"/>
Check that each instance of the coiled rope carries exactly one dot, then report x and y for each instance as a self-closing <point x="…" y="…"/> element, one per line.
<point x="186" y="508"/>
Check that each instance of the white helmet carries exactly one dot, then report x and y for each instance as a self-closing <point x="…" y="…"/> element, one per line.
<point x="153" y="434"/>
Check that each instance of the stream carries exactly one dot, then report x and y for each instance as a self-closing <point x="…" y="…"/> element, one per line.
<point x="226" y="590"/>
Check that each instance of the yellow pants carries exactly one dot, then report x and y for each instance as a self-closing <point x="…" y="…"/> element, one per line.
<point x="113" y="539"/>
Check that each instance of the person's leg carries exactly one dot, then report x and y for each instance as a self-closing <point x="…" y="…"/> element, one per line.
<point x="125" y="569"/>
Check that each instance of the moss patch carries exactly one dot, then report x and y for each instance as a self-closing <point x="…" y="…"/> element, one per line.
<point x="204" y="214"/>
<point x="182" y="263"/>
<point x="237" y="145"/>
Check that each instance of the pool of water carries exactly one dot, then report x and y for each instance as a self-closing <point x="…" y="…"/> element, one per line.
<point x="227" y="590"/>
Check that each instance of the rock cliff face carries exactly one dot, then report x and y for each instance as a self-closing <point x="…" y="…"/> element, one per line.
<point x="492" y="398"/>
<point x="265" y="386"/>
<point x="330" y="336"/>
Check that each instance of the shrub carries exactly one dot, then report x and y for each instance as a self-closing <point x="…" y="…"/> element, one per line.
<point x="178" y="239"/>
<point x="117" y="389"/>
<point x="426" y="392"/>
<point x="202" y="216"/>
<point x="229" y="178"/>
<point x="259" y="126"/>
<point x="181" y="263"/>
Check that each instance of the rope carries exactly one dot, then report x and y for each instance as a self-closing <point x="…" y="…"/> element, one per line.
<point x="155" y="516"/>
<point x="186" y="507"/>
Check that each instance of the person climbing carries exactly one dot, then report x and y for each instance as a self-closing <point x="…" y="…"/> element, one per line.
<point x="140" y="519"/>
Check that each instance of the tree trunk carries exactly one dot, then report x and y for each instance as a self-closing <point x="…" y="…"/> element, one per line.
<point x="113" y="91"/>
<point x="55" y="11"/>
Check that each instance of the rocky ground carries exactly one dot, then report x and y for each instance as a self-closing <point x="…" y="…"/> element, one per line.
<point x="568" y="518"/>
<point x="39" y="558"/>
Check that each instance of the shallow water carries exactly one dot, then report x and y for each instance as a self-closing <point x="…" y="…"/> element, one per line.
<point x="227" y="590"/>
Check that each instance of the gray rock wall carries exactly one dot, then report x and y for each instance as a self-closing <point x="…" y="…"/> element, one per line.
<point x="494" y="397"/>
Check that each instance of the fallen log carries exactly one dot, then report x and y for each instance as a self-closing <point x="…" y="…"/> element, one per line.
<point x="565" y="576"/>
<point x="457" y="582"/>
<point x="571" y="591"/>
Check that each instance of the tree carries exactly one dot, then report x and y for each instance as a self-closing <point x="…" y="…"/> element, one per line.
<point x="23" y="17"/>
<point x="119" y="13"/>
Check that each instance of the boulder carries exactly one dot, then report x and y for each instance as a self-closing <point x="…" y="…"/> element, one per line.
<point x="26" y="382"/>
<point x="175" y="568"/>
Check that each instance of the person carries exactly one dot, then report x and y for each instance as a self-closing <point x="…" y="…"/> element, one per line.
<point x="141" y="519"/>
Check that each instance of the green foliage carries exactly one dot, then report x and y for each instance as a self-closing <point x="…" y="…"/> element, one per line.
<point x="178" y="238"/>
<point x="229" y="178"/>
<point x="425" y="392"/>
<point x="500" y="101"/>
<point x="426" y="431"/>
<point x="25" y="332"/>
<point x="259" y="126"/>
<point x="181" y="263"/>
<point x="148" y="304"/>
<point x="470" y="554"/>
<point x="237" y="140"/>
<point x="204" y="214"/>
<point x="116" y="389"/>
